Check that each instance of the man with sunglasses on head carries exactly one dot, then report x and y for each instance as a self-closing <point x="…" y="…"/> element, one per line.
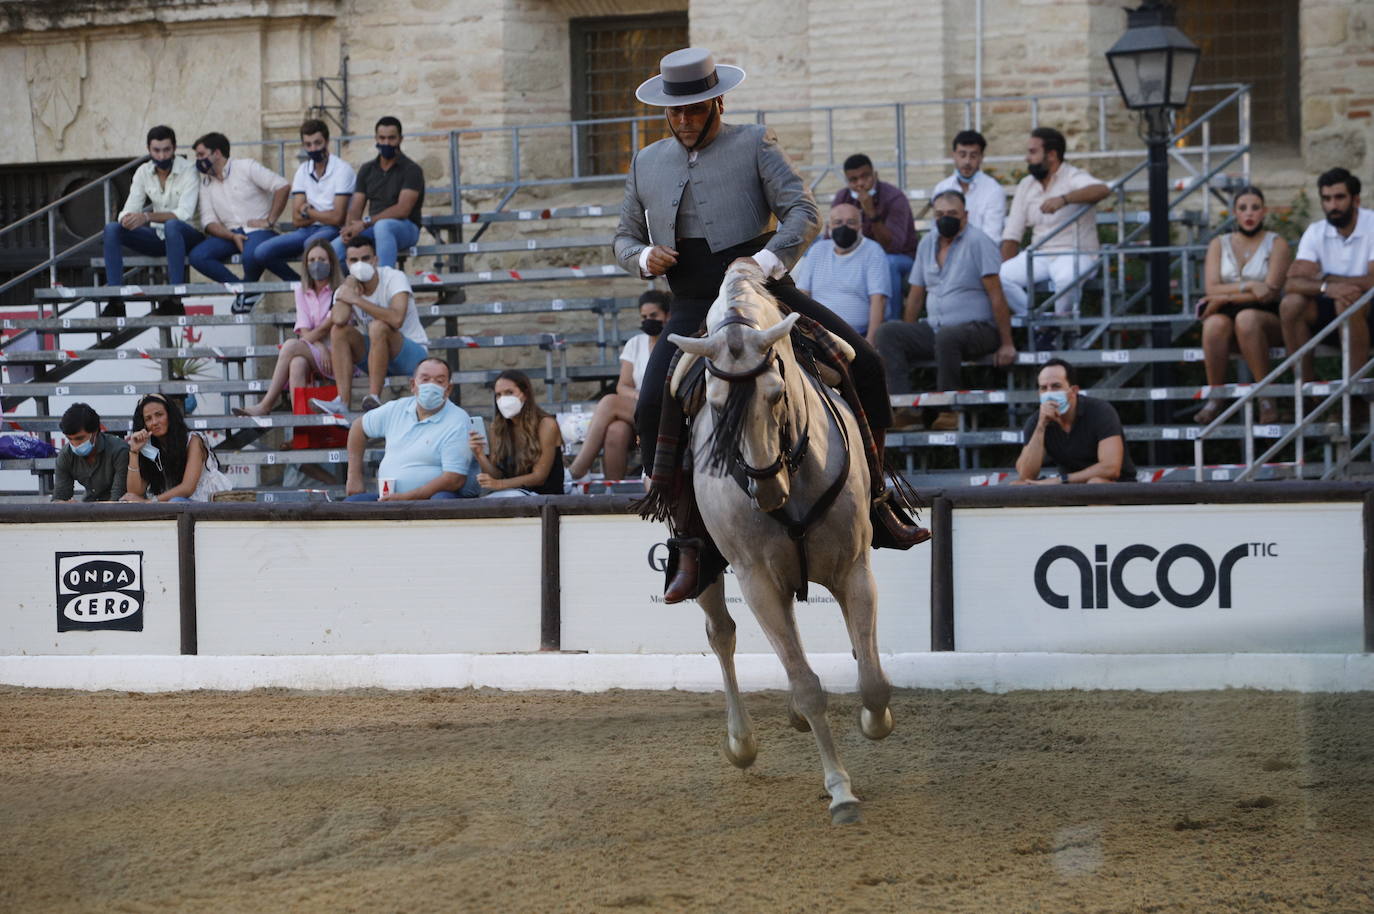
<point x="697" y="201"/>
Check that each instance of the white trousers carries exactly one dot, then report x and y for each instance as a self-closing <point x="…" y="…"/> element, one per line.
<point x="1060" y="268"/>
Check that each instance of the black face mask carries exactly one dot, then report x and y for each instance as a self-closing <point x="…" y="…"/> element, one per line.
<point x="1251" y="233"/>
<point x="1341" y="220"/>
<point x="651" y="326"/>
<point x="387" y="151"/>
<point x="844" y="237"/>
<point x="163" y="164"/>
<point x="204" y="166"/>
<point x="948" y="226"/>
<point x="1039" y="171"/>
<point x="317" y="155"/>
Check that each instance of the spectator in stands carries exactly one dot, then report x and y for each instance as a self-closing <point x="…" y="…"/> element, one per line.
<point x="1244" y="279"/>
<point x="393" y="188"/>
<point x="985" y="198"/>
<point x="319" y="200"/>
<point x="98" y="461"/>
<point x="308" y="354"/>
<point x="167" y="460"/>
<point x="1082" y="436"/>
<point x="955" y="280"/>
<point x="1052" y="186"/>
<point x="849" y="275"/>
<point x="391" y="342"/>
<point x="240" y="201"/>
<point x="166" y="185"/>
<point x="613" y="422"/>
<point x="887" y="220"/>
<point x="1333" y="267"/>
<point x="427" y="449"/>
<point x="526" y="453"/>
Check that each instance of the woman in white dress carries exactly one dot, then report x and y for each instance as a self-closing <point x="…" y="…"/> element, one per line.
<point x="613" y="423"/>
<point x="1244" y="281"/>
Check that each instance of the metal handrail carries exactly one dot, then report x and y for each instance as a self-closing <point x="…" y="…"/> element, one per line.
<point x="1300" y="422"/>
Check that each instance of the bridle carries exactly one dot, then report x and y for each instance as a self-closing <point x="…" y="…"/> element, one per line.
<point x="790" y="453"/>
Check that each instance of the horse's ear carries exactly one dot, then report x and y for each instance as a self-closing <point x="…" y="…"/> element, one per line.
<point x="779" y="330"/>
<point x="694" y="345"/>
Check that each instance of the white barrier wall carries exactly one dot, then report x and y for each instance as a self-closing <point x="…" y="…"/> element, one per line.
<point x="611" y="572"/>
<point x="117" y="593"/>
<point x="368" y="587"/>
<point x="1160" y="578"/>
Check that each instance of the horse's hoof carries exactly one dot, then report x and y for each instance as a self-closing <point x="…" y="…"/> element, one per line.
<point x="875" y="727"/>
<point x="846" y="814"/>
<point x="799" y="723"/>
<point x="740" y="752"/>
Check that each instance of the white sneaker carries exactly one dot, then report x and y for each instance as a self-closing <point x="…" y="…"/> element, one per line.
<point x="334" y="407"/>
<point x="371" y="402"/>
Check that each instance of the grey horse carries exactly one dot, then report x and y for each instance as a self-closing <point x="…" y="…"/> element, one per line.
<point x="763" y="405"/>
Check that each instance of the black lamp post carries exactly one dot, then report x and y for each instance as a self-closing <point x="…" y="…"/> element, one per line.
<point x="1153" y="63"/>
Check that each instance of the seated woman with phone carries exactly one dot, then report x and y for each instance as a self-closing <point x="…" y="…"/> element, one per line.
<point x="525" y="456"/>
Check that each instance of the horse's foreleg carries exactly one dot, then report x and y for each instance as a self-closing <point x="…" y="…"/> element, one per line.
<point x="858" y="600"/>
<point x="740" y="746"/>
<point x="773" y="609"/>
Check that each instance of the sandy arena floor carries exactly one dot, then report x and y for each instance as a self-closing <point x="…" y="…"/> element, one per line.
<point x="513" y="802"/>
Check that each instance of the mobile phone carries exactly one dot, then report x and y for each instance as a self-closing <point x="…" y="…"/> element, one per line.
<point x="479" y="425"/>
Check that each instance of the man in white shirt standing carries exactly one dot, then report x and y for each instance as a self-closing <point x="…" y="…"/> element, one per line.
<point x="167" y="186"/>
<point x="319" y="200"/>
<point x="849" y="275"/>
<point x="987" y="199"/>
<point x="240" y="201"/>
<point x="1333" y="267"/>
<point x="392" y="341"/>
<point x="1045" y="200"/>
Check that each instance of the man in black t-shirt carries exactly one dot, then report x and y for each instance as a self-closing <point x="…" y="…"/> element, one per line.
<point x="392" y="187"/>
<point x="1080" y="435"/>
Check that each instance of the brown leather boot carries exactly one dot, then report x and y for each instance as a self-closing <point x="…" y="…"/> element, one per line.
<point x="684" y="583"/>
<point x="898" y="530"/>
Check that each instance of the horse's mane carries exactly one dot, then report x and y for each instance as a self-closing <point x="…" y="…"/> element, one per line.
<point x="740" y="283"/>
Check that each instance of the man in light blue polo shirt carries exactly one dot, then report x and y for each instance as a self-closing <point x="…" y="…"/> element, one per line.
<point x="848" y="273"/>
<point x="955" y="279"/>
<point x="427" y="451"/>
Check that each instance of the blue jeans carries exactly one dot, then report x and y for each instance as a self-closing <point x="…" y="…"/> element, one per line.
<point x="209" y="256"/>
<point x="274" y="253"/>
<point x="899" y="268"/>
<point x="389" y="235"/>
<point x="372" y="496"/>
<point x="180" y="238"/>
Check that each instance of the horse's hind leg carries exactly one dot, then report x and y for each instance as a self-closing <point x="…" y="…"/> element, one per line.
<point x="739" y="746"/>
<point x="774" y="612"/>
<point x="858" y="600"/>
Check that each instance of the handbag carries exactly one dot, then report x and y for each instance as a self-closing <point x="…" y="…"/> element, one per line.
<point x="212" y="480"/>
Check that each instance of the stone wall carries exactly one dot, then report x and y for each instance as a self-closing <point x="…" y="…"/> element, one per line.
<point x="1338" y="86"/>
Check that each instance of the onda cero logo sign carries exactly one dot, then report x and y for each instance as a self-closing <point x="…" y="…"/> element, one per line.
<point x="100" y="590"/>
<point x="1104" y="578"/>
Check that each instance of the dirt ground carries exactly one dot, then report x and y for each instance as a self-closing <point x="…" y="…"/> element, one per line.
<point x="489" y="801"/>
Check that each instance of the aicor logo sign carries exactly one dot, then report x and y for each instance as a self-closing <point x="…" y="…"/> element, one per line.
<point x="1175" y="582"/>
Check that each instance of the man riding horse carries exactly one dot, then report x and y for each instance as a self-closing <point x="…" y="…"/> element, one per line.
<point x="696" y="202"/>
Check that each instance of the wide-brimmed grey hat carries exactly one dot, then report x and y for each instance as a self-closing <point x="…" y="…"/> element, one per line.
<point x="686" y="77"/>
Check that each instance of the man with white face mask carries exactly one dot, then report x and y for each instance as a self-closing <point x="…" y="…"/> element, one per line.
<point x="1080" y="435"/>
<point x="427" y="451"/>
<point x="391" y="342"/>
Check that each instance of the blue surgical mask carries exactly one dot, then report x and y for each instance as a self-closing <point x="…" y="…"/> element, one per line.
<point x="1059" y="398"/>
<point x="387" y="151"/>
<point x="84" y="448"/>
<point x="150" y="450"/>
<point x="431" y="396"/>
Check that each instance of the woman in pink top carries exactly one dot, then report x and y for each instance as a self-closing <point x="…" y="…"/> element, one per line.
<point x="309" y="351"/>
